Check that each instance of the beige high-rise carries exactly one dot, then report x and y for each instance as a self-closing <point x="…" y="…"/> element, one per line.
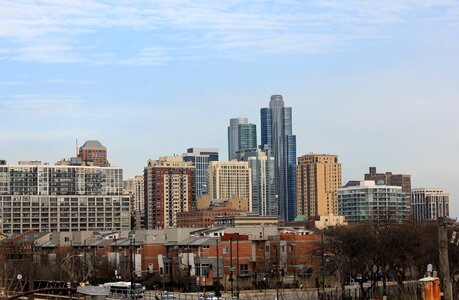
<point x="318" y="178"/>
<point x="230" y="179"/>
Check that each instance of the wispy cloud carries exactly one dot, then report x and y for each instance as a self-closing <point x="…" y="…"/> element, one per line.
<point x="171" y="29"/>
<point x="40" y="105"/>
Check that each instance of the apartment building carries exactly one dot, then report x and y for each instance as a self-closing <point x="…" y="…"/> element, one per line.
<point x="47" y="197"/>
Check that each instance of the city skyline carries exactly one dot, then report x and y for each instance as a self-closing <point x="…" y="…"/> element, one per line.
<point x="375" y="84"/>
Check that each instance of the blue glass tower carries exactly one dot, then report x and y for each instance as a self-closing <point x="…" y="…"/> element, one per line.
<point x="277" y="137"/>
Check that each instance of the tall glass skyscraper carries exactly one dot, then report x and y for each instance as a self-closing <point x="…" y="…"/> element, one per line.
<point x="277" y="137"/>
<point x="200" y="158"/>
<point x="241" y="136"/>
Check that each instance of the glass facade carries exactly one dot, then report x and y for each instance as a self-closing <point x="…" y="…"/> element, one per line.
<point x="276" y="135"/>
<point x="373" y="203"/>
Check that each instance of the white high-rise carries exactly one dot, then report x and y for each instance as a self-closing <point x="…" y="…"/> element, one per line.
<point x="429" y="204"/>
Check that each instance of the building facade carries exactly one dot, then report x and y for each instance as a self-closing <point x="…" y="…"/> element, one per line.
<point x="200" y="159"/>
<point x="318" y="178"/>
<point x="61" y="198"/>
<point x="429" y="204"/>
<point x="242" y="135"/>
<point x="169" y="189"/>
<point x="387" y="178"/>
<point x="277" y="137"/>
<point x="230" y="179"/>
<point x="93" y="153"/>
<point x="368" y="202"/>
<point x="261" y="164"/>
<point x="135" y="188"/>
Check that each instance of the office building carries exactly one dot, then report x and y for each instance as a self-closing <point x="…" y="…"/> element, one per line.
<point x="200" y="158"/>
<point x="169" y="188"/>
<point x="241" y="136"/>
<point x="277" y="137"/>
<point x="261" y="164"/>
<point x="318" y="178"/>
<point x="230" y="179"/>
<point x="403" y="180"/>
<point x="368" y="202"/>
<point x="429" y="204"/>
<point x="47" y="197"/>
<point x="93" y="153"/>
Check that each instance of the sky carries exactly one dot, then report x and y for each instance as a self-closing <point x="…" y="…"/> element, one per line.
<point x="374" y="82"/>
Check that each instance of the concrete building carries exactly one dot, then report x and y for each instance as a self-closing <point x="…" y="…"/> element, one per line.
<point x="169" y="189"/>
<point x="277" y="137"/>
<point x="387" y="178"/>
<point x="369" y="202"/>
<point x="230" y="179"/>
<point x="200" y="158"/>
<point x="264" y="200"/>
<point x="135" y="188"/>
<point x="429" y="204"/>
<point x="241" y="136"/>
<point x="93" y="153"/>
<point x="318" y="178"/>
<point x="61" y="198"/>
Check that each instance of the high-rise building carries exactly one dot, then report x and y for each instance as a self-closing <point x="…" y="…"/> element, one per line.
<point x="261" y="164"/>
<point x="230" y="179"/>
<point x="368" y="202"/>
<point x="169" y="188"/>
<point x="241" y="136"/>
<point x="200" y="158"/>
<point x="135" y="188"/>
<point x="247" y="137"/>
<point x="93" y="153"/>
<point x="429" y="204"/>
<point x="318" y="178"/>
<point x="47" y="197"/>
<point x="277" y="137"/>
<point x="403" y="180"/>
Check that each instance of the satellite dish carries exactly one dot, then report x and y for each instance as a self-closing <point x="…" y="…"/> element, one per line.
<point x="19" y="277"/>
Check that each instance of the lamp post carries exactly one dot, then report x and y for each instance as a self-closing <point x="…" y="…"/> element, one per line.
<point x="132" y="238"/>
<point x="231" y="266"/>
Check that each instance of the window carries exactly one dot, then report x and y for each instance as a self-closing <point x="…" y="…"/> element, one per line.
<point x="225" y="250"/>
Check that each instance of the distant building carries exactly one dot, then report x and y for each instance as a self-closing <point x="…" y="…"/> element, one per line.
<point x="169" y="189"/>
<point x="373" y="203"/>
<point x="134" y="188"/>
<point x="277" y="136"/>
<point x="230" y="179"/>
<point x="429" y="204"/>
<point x="241" y="136"/>
<point x="47" y="197"/>
<point x="318" y="178"/>
<point x="200" y="158"/>
<point x="264" y="200"/>
<point x="403" y="180"/>
<point x="93" y="153"/>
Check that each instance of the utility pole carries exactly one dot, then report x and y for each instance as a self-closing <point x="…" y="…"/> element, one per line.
<point x="217" y="288"/>
<point x="231" y="267"/>
<point x="237" y="266"/>
<point x="444" y="258"/>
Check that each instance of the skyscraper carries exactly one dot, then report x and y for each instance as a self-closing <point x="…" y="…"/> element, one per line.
<point x="277" y="137"/>
<point x="200" y="158"/>
<point x="318" y="178"/>
<point x="230" y="179"/>
<point x="169" y="189"/>
<point x="241" y="136"/>
<point x="261" y="164"/>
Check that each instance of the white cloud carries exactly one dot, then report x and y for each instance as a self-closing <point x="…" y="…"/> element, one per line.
<point x="260" y="27"/>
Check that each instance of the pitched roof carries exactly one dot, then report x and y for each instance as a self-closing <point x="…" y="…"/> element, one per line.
<point x="92" y="144"/>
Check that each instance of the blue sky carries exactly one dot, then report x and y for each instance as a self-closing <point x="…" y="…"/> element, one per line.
<point x="375" y="82"/>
